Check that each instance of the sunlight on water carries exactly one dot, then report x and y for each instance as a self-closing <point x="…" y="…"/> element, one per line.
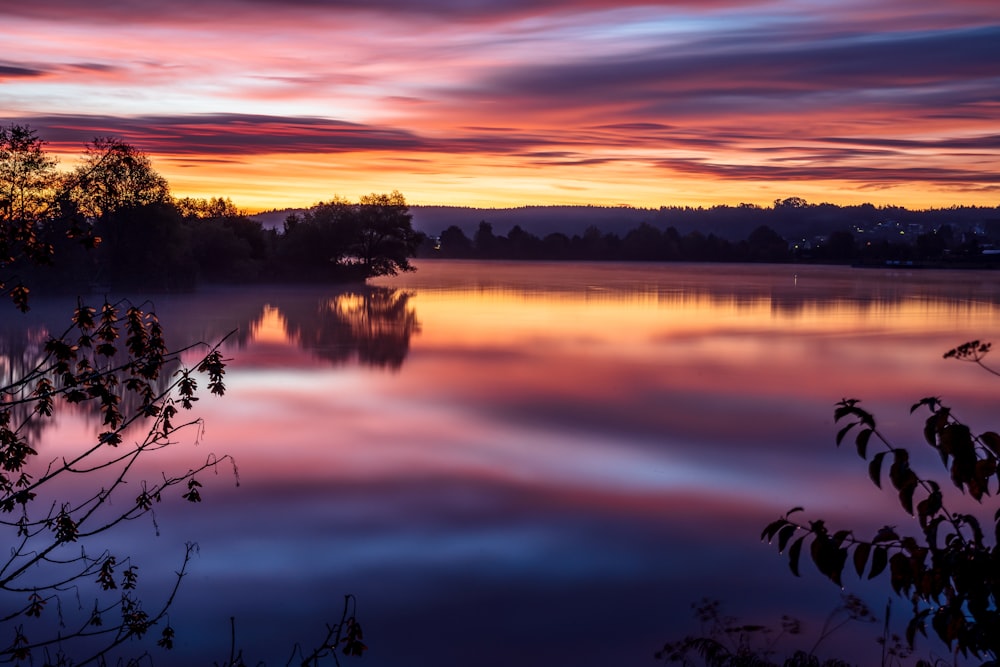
<point x="271" y="328"/>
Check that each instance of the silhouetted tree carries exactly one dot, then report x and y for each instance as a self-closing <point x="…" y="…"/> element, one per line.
<point x="227" y="245"/>
<point x="484" y="240"/>
<point x="522" y="244"/>
<point x="340" y="240"/>
<point x="115" y="175"/>
<point x="146" y="247"/>
<point x="36" y="212"/>
<point x="384" y="237"/>
<point x="949" y="571"/>
<point x="454" y="243"/>
<point x="766" y="245"/>
<point x="644" y="243"/>
<point x="841" y="246"/>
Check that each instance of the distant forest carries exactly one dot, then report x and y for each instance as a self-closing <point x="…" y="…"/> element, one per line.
<point x="790" y="231"/>
<point x="111" y="223"/>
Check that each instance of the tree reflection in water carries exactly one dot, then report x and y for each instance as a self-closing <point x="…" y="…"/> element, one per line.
<point x="370" y="324"/>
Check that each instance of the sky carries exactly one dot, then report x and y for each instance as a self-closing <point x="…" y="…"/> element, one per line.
<point x="500" y="103"/>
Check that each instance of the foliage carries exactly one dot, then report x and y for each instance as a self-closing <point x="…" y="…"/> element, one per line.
<point x="67" y="598"/>
<point x="950" y="571"/>
<point x="151" y="241"/>
<point x="343" y="240"/>
<point x="725" y="641"/>
<point x="112" y="361"/>
<point x="115" y="175"/>
<point x="27" y="174"/>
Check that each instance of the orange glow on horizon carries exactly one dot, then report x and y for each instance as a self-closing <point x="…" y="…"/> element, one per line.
<point x="298" y="181"/>
<point x="497" y="105"/>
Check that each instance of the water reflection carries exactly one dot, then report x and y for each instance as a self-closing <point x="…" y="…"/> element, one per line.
<point x="373" y="327"/>
<point x="562" y="458"/>
<point x="370" y="325"/>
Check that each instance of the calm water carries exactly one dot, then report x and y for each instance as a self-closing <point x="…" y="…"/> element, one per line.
<point x="539" y="464"/>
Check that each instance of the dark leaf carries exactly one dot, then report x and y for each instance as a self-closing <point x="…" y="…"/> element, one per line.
<point x="772" y="528"/>
<point x="880" y="558"/>
<point x="875" y="468"/>
<point x="794" y="553"/>
<point x="842" y="433"/>
<point x="900" y="572"/>
<point x="991" y="441"/>
<point x="906" y="493"/>
<point x="862" y="442"/>
<point x="861" y="553"/>
<point x="784" y="535"/>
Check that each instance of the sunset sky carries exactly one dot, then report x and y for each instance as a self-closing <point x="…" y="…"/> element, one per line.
<point x="500" y="103"/>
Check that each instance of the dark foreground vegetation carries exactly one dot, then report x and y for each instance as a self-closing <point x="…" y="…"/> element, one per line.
<point x="67" y="596"/>
<point x="947" y="570"/>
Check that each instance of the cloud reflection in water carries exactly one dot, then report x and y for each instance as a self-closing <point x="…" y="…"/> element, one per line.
<point x="545" y="464"/>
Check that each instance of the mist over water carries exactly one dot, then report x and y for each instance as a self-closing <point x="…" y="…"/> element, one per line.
<point x="539" y="464"/>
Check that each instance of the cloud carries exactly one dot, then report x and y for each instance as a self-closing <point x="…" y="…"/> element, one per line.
<point x="867" y="175"/>
<point x="9" y="71"/>
<point x="247" y="135"/>
<point x="227" y="134"/>
<point x="730" y="74"/>
<point x="237" y="11"/>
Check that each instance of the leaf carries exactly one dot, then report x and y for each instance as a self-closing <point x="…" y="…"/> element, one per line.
<point x="844" y="408"/>
<point x="771" y="529"/>
<point x="991" y="441"/>
<point x="996" y="526"/>
<point x="899" y="468"/>
<point x="861" y="553"/>
<point x="875" y="468"/>
<point x="931" y="402"/>
<point x="784" y="535"/>
<point x="900" y="572"/>
<point x="842" y="433"/>
<point x="915" y="625"/>
<point x="862" y="442"/>
<point x="906" y="493"/>
<point x="879" y="560"/>
<point x="794" y="552"/>
<point x="930" y="532"/>
<point x="928" y="507"/>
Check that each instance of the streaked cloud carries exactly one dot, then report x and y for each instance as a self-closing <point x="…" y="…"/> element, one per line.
<point x="564" y="101"/>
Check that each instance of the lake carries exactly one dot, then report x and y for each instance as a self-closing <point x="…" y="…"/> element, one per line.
<point x="540" y="463"/>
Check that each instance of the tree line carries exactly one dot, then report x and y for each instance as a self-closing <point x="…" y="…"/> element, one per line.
<point x="943" y="245"/>
<point x="111" y="222"/>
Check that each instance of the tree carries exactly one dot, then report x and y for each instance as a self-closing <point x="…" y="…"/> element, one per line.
<point x="766" y="245"/>
<point x="384" y="238"/>
<point x="339" y="240"/>
<point x="115" y="175"/>
<point x="454" y="243"/>
<point x="27" y="175"/>
<point x="145" y="247"/>
<point x="950" y="571"/>
<point x="484" y="240"/>
<point x="66" y="598"/>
